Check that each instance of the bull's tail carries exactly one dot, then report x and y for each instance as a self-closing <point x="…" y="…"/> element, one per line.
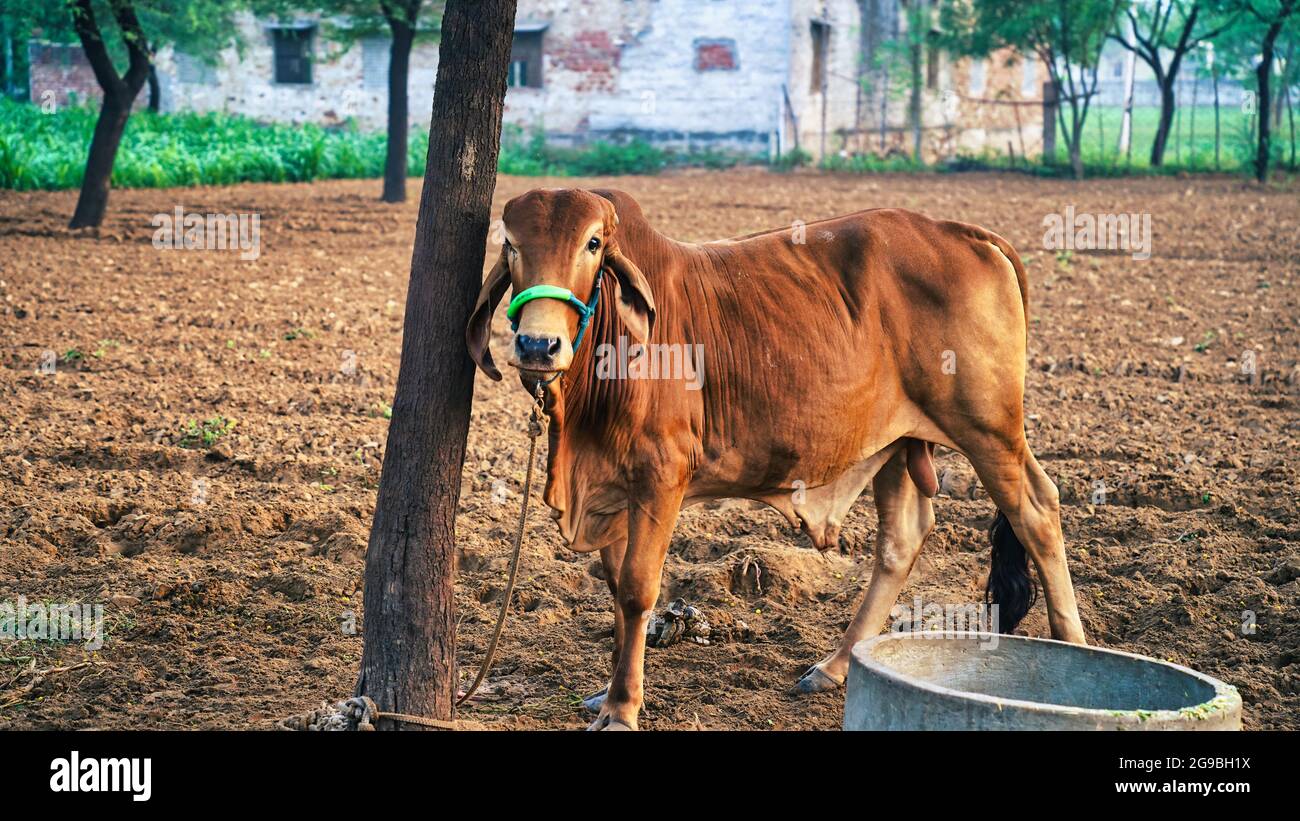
<point x="1010" y="586"/>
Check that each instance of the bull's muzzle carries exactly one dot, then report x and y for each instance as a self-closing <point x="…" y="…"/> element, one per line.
<point x="541" y="338"/>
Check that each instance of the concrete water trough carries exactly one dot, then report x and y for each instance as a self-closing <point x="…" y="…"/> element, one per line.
<point x="984" y="681"/>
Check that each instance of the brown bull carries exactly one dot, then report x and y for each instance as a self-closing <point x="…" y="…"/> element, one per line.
<point x="829" y="358"/>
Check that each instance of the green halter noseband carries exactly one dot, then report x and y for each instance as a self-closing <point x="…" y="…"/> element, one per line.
<point x="586" y="310"/>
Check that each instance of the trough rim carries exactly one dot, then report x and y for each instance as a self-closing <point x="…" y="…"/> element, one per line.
<point x="1225" y="703"/>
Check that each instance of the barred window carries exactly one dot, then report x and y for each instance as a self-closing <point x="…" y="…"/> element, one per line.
<point x="525" y="60"/>
<point x="292" y="55"/>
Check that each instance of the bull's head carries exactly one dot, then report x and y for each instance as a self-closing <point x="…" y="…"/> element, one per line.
<point x="558" y="244"/>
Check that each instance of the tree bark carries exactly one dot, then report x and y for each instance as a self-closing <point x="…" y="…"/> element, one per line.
<point x="1168" y="105"/>
<point x="399" y="70"/>
<point x="408" y="662"/>
<point x="93" y="200"/>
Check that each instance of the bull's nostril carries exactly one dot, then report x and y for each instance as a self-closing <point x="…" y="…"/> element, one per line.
<point x="536" y="348"/>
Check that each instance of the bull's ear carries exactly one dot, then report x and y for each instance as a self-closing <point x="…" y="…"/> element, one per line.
<point x="479" y="330"/>
<point x="634" y="300"/>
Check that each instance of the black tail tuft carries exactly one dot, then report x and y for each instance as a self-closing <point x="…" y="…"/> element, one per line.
<point x="1010" y="586"/>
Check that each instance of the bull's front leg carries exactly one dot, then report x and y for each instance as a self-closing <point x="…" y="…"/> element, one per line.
<point x="652" y="512"/>
<point x="611" y="559"/>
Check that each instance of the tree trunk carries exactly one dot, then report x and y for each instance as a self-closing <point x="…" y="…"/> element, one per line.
<point x="1076" y="157"/>
<point x="1264" y="76"/>
<point x="1167" y="108"/>
<point x="408" y="663"/>
<point x="119" y="96"/>
<point x="1178" y="125"/>
<point x="155" y="92"/>
<point x="93" y="199"/>
<point x="399" y="69"/>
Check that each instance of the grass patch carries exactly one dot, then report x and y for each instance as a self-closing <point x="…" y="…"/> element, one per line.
<point x="205" y="434"/>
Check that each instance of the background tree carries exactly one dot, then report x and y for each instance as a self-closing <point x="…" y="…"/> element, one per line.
<point x="119" y="38"/>
<point x="1067" y="36"/>
<point x="1163" y="33"/>
<point x="408" y="663"/>
<point x="1272" y="18"/>
<point x="405" y="22"/>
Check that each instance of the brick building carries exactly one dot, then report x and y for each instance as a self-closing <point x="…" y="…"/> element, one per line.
<point x="760" y="76"/>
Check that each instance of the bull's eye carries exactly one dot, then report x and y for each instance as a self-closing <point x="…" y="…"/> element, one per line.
<point x="593" y="245"/>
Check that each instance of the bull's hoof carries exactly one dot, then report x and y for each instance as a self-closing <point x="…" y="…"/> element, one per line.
<point x="816" y="680"/>
<point x="596" y="700"/>
<point x="606" y="722"/>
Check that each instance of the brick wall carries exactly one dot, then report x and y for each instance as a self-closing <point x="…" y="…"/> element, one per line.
<point x="61" y="75"/>
<point x="681" y="73"/>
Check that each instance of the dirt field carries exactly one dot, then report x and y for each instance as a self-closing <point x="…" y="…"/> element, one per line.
<point x="231" y="573"/>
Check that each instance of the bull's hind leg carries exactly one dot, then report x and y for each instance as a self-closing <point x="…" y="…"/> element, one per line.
<point x="1031" y="504"/>
<point x="906" y="519"/>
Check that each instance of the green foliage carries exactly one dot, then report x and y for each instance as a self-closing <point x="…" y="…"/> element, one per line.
<point x="206" y="433"/>
<point x="1070" y="30"/>
<point x="528" y="154"/>
<point x="201" y="27"/>
<point x="790" y="160"/>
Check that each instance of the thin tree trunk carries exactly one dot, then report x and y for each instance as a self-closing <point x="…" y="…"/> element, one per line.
<point x="399" y="69"/>
<point x="1076" y="154"/>
<point x="1217" y="132"/>
<point x="155" y="91"/>
<point x="1163" y="127"/>
<point x="1178" y="125"/>
<point x="1264" y="76"/>
<point x="1101" y="135"/>
<point x="408" y="663"/>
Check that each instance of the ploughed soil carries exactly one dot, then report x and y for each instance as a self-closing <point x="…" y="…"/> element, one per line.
<point x="230" y="569"/>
